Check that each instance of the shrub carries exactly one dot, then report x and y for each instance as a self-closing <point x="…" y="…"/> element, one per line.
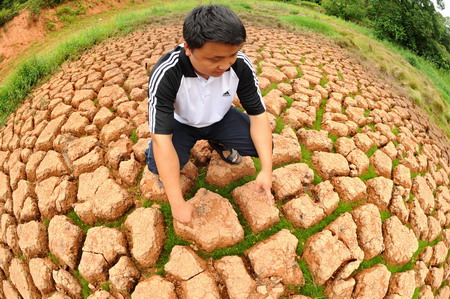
<point x="6" y="15"/>
<point x="354" y="10"/>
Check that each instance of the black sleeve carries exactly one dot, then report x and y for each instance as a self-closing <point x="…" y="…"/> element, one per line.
<point x="164" y="83"/>
<point x="248" y="88"/>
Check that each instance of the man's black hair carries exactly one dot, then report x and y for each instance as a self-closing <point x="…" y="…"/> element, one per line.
<point x="215" y="23"/>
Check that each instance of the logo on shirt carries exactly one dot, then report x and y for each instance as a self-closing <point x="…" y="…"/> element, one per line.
<point x="226" y="94"/>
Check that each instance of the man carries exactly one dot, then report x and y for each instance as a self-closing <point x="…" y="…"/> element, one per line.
<point x="191" y="90"/>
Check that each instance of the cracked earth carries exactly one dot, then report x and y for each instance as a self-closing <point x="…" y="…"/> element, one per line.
<point x="76" y="199"/>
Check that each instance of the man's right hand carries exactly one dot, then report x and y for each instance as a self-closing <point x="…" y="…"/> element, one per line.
<point x="182" y="212"/>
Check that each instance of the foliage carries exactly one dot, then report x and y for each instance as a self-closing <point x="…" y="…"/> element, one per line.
<point x="415" y="25"/>
<point x="7" y="14"/>
<point x="354" y="10"/>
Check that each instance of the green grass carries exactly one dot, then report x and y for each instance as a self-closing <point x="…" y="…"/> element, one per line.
<point x="54" y="259"/>
<point x="69" y="14"/>
<point x="395" y="163"/>
<point x="398" y="268"/>
<point x="324" y="80"/>
<point x="306" y="158"/>
<point x="395" y="130"/>
<point x="101" y="222"/>
<point x="133" y="136"/>
<point x="78" y="221"/>
<point x="319" y="116"/>
<point x="271" y="87"/>
<point x="370" y="174"/>
<point x="333" y="137"/>
<point x="310" y="288"/>
<point x="86" y="291"/>
<point x="311" y="24"/>
<point x="171" y="238"/>
<point x="385" y="215"/>
<point x="250" y="239"/>
<point x="106" y="286"/>
<point x="371" y="151"/>
<point x="280" y="125"/>
<point x="303" y="234"/>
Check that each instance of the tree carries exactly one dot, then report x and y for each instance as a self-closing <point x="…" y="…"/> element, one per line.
<point x="350" y="10"/>
<point x="414" y="24"/>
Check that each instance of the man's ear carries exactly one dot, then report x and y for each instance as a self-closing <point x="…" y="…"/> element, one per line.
<point x="187" y="49"/>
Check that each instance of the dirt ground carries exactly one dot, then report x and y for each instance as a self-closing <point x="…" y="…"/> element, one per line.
<point x="24" y="29"/>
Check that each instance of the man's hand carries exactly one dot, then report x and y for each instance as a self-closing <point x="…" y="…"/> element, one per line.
<point x="264" y="184"/>
<point x="182" y="212"/>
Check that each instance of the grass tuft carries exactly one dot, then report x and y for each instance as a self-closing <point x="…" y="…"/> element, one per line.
<point x="133" y="136"/>
<point x="371" y="151"/>
<point x="319" y="116"/>
<point x="370" y="174"/>
<point x="310" y="24"/>
<point x="86" y="291"/>
<point x="78" y="221"/>
<point x="310" y="288"/>
<point x="280" y="125"/>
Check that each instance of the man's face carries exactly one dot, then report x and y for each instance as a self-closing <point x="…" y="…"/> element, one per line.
<point x="213" y="59"/>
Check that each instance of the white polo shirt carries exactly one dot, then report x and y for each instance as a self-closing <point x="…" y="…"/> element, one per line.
<point x="177" y="92"/>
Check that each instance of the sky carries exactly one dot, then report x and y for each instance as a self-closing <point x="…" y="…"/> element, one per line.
<point x="446" y="11"/>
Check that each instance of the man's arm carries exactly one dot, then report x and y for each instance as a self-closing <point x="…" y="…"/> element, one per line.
<point x="169" y="170"/>
<point x="262" y="138"/>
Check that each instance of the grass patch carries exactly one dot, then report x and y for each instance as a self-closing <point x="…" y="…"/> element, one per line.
<point x="171" y="238"/>
<point x="385" y="215"/>
<point x="69" y="14"/>
<point x="133" y="136"/>
<point x="370" y="174"/>
<point x="366" y="113"/>
<point x="341" y="77"/>
<point x="311" y="24"/>
<point x="303" y="234"/>
<point x="371" y="151"/>
<point x="299" y="71"/>
<point x="289" y="101"/>
<point x="86" y="291"/>
<point x="333" y="137"/>
<point x="271" y="87"/>
<point x="414" y="174"/>
<point x="401" y="268"/>
<point x="106" y="286"/>
<point x="54" y="259"/>
<point x="310" y="288"/>
<point x="280" y="125"/>
<point x="396" y="162"/>
<point x="250" y="239"/>
<point x="395" y="130"/>
<point x="78" y="221"/>
<point x="319" y="116"/>
<point x="116" y="223"/>
<point x="306" y="158"/>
